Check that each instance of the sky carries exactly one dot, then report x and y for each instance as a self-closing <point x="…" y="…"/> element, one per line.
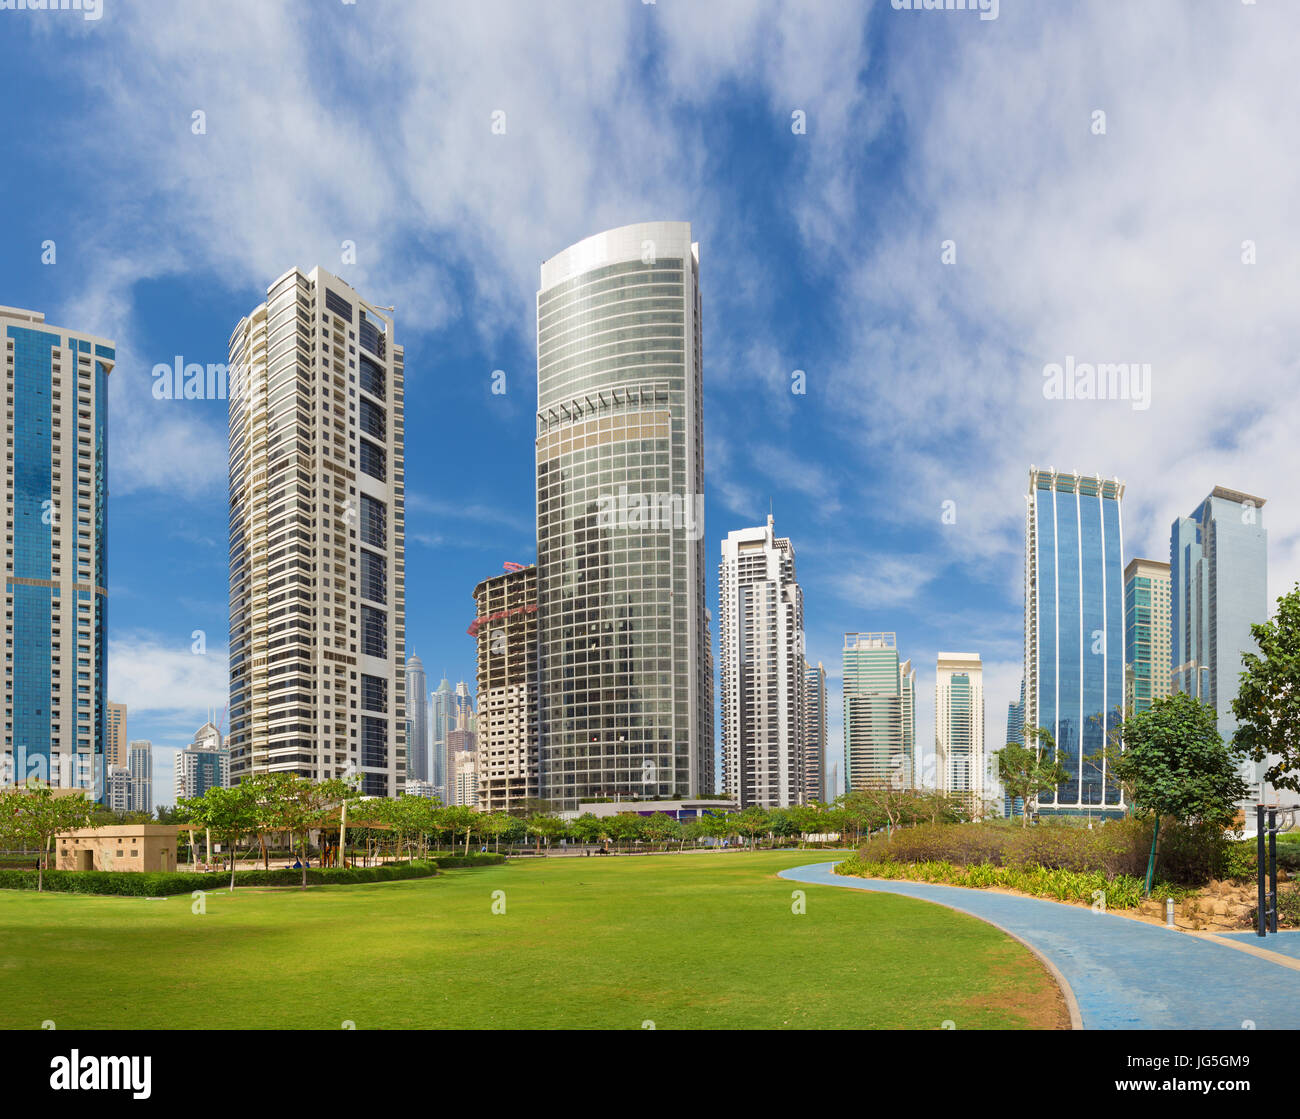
<point x="921" y="211"/>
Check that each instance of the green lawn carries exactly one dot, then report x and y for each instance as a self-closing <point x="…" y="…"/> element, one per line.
<point x="683" y="941"/>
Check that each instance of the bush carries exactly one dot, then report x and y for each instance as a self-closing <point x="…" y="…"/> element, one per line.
<point x="474" y="858"/>
<point x="1121" y="891"/>
<point x="1188" y="855"/>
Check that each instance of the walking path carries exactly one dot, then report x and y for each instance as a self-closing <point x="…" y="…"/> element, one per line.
<point x="1121" y="974"/>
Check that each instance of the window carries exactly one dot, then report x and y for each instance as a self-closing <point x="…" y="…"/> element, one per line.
<point x="372" y="419"/>
<point x="338" y="305"/>
<point x="374" y="741"/>
<point x="374" y="631"/>
<point x="374" y="522"/>
<point x="374" y="577"/>
<point x="373" y="460"/>
<point x="372" y="377"/>
<point x="374" y="693"/>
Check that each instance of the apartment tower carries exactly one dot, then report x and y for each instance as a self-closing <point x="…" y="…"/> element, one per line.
<point x="317" y="563"/>
<point x="505" y="628"/>
<point x="959" y="727"/>
<point x="761" y="642"/>
<point x="879" y="713"/>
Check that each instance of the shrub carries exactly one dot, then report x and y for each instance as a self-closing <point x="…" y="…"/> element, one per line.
<point x="1288" y="909"/>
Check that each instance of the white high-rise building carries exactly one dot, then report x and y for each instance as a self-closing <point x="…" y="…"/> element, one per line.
<point x="417" y="713"/>
<point x="203" y="765"/>
<point x="816" y="778"/>
<point x="760" y="635"/>
<point x="625" y="695"/>
<point x="140" y="767"/>
<point x="56" y="560"/>
<point x="959" y="727"/>
<point x="317" y="530"/>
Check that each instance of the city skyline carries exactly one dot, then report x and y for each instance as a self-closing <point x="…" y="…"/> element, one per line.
<point x="859" y="468"/>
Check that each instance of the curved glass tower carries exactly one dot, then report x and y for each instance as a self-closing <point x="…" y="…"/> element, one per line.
<point x="625" y="690"/>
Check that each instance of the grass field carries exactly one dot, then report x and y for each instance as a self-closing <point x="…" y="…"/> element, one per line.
<point x="683" y="941"/>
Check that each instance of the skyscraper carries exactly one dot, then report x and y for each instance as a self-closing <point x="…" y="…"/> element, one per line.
<point x="505" y="628"/>
<point x="417" y="717"/>
<point x="1074" y="629"/>
<point x="1147" y="627"/>
<point x="1016" y="734"/>
<point x="441" y="722"/>
<point x="462" y="750"/>
<point x="116" y="745"/>
<point x="879" y="713"/>
<point x="317" y="531"/>
<point x="626" y="695"/>
<point x="816" y="777"/>
<point x="203" y="765"/>
<point x="760" y="635"/>
<point x="1218" y="559"/>
<point x="140" y="766"/>
<point x="959" y="727"/>
<point x="56" y="560"/>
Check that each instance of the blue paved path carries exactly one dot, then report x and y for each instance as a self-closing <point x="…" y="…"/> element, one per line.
<point x="1124" y="974"/>
<point x="1285" y="943"/>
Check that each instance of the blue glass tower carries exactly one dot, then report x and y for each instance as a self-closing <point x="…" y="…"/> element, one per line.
<point x="1218" y="565"/>
<point x="1074" y="629"/>
<point x="57" y="577"/>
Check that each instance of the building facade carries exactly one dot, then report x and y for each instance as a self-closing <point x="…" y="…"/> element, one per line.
<point x="417" y="721"/>
<point x="879" y="713"/>
<point x="116" y="745"/>
<point x="761" y="642"/>
<point x="1218" y="559"/>
<point x="56" y="559"/>
<point x="1147" y="629"/>
<point x="1074" y="630"/>
<point x="203" y="765"/>
<point x="817" y="782"/>
<point x="505" y="629"/>
<point x="625" y="702"/>
<point x="317" y="529"/>
<point x="140" y="767"/>
<point x="959" y="727"/>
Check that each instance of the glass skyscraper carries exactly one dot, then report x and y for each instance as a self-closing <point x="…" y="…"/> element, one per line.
<point x="1074" y="629"/>
<point x="879" y="713"/>
<point x="417" y="719"/>
<point x="1146" y="634"/>
<point x="625" y="688"/>
<point x="441" y="721"/>
<point x="56" y="561"/>
<point x="1218" y="561"/>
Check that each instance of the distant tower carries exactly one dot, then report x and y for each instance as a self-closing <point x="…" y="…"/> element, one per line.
<point x="879" y="713"/>
<point x="760" y="635"/>
<point x="959" y="727"/>
<point x="417" y="715"/>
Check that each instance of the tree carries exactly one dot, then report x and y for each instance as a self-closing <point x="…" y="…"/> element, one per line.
<point x="1267" y="707"/>
<point x="34" y="816"/>
<point x="228" y="812"/>
<point x="751" y="822"/>
<point x="1026" y="771"/>
<point x="296" y="805"/>
<point x="545" y="826"/>
<point x="495" y="825"/>
<point x="662" y="828"/>
<point x="1174" y="763"/>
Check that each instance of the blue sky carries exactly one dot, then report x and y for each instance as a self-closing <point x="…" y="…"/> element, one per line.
<point x="821" y="251"/>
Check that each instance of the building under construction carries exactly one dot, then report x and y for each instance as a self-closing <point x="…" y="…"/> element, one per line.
<point x="506" y="631"/>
